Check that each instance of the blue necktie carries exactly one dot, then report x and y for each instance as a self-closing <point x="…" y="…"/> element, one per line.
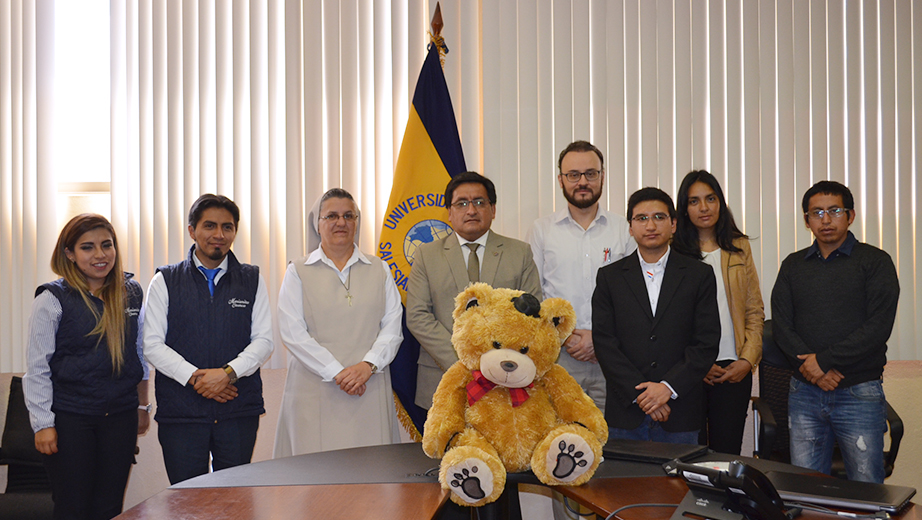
<point x="210" y="274"/>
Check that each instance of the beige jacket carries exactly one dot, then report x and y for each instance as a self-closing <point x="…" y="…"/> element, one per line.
<point x="439" y="274"/>
<point x="745" y="301"/>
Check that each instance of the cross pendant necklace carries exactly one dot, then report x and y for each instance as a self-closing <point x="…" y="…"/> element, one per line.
<point x="346" y="286"/>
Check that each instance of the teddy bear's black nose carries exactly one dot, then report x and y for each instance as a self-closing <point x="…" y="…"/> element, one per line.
<point x="509" y="366"/>
<point x="527" y="305"/>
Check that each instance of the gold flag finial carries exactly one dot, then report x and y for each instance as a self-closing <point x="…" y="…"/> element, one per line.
<point x="435" y="35"/>
<point x="437" y="21"/>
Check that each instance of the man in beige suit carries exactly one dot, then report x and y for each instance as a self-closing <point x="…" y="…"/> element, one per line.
<point x="443" y="268"/>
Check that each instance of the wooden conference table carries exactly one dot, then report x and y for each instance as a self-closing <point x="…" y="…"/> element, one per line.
<point x="397" y="482"/>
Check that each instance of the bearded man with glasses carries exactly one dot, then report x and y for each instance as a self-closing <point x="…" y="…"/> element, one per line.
<point x="570" y="245"/>
<point x="833" y="308"/>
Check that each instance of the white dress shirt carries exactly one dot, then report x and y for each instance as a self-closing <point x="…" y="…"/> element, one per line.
<point x="170" y="363"/>
<point x="653" y="277"/>
<point x="466" y="251"/>
<point x="569" y="257"/>
<point x="317" y="358"/>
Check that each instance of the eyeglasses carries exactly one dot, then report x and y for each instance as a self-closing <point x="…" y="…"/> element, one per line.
<point x="657" y="217"/>
<point x="334" y="217"/>
<point x="463" y="204"/>
<point x="590" y="175"/>
<point x="818" y="214"/>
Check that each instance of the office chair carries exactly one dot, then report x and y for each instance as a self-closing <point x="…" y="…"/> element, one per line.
<point x="28" y="492"/>
<point x="771" y="412"/>
<point x="770" y="409"/>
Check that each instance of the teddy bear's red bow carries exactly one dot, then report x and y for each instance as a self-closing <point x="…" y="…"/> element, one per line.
<point x="479" y="387"/>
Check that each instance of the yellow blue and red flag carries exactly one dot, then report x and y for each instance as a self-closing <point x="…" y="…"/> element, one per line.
<point x="429" y="156"/>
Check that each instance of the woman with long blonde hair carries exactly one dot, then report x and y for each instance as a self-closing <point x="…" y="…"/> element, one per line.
<point x="85" y="376"/>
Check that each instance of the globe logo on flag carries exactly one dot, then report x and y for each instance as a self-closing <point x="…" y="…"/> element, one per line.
<point x="423" y="232"/>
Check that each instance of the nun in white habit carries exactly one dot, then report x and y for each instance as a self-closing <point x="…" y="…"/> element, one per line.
<point x="339" y="315"/>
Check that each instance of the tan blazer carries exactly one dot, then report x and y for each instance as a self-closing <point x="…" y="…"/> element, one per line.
<point x="438" y="275"/>
<point x="745" y="301"/>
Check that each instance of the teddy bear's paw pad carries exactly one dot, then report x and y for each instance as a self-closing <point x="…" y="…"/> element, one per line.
<point x="471" y="480"/>
<point x="571" y="458"/>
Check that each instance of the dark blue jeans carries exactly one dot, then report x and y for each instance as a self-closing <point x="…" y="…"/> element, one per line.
<point x="187" y="447"/>
<point x="856" y="416"/>
<point x="650" y="430"/>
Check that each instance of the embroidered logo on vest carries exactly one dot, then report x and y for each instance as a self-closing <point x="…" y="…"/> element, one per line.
<point x="238" y="304"/>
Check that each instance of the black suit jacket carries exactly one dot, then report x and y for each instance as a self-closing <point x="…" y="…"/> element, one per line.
<point x="678" y="345"/>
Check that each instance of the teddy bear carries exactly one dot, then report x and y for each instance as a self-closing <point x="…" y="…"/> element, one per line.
<point x="506" y="405"/>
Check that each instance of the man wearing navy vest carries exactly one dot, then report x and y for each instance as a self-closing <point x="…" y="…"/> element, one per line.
<point x="207" y="330"/>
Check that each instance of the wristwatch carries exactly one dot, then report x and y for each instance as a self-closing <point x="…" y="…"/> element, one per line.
<point x="374" y="368"/>
<point x="230" y="373"/>
<point x="146" y="407"/>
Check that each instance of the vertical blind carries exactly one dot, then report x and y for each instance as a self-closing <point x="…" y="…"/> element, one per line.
<point x="271" y="103"/>
<point x="26" y="167"/>
<point x="770" y="96"/>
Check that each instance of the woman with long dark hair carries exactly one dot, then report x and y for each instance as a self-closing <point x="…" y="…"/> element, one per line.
<point x="706" y="230"/>
<point x="85" y="378"/>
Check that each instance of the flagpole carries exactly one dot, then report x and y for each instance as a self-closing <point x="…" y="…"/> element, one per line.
<point x="430" y="155"/>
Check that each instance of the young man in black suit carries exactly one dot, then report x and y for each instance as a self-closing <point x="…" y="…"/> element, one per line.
<point x="655" y="327"/>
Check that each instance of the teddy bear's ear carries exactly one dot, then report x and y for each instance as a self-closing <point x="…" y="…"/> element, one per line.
<point x="560" y="314"/>
<point x="471" y="297"/>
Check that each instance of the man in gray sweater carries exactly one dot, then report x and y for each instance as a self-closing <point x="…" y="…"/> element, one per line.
<point x="833" y="307"/>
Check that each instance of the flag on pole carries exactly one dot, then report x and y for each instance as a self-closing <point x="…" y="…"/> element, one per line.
<point x="429" y="156"/>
